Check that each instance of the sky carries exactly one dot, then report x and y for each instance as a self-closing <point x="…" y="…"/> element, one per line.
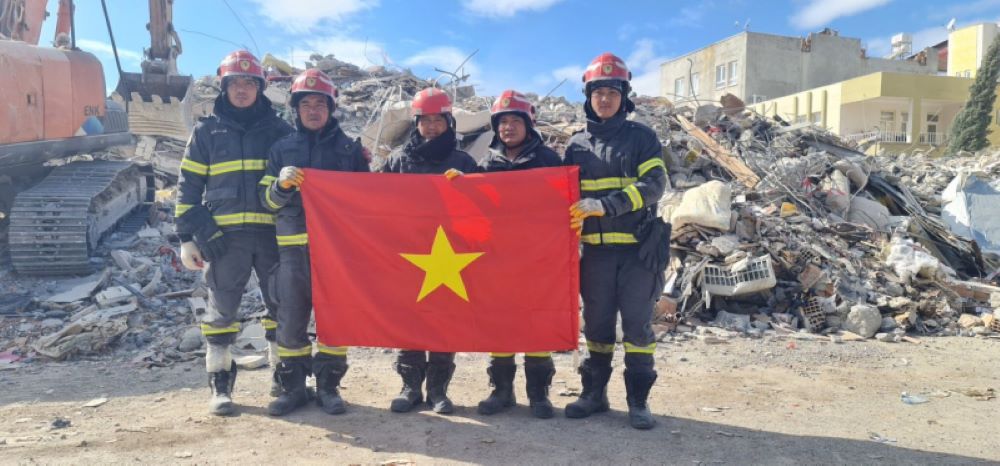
<point x="528" y="45"/>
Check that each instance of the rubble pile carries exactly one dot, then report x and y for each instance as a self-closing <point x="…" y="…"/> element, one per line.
<point x="140" y="306"/>
<point x="778" y="229"/>
<point x="786" y="228"/>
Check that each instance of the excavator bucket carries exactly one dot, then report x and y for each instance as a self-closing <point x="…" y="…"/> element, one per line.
<point x="157" y="104"/>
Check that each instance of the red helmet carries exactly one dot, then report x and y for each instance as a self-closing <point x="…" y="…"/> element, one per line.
<point x="313" y="81"/>
<point x="242" y="63"/>
<point x="607" y="66"/>
<point x="511" y="101"/>
<point x="430" y="101"/>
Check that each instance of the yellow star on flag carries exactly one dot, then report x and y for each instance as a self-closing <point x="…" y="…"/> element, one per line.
<point x="442" y="266"/>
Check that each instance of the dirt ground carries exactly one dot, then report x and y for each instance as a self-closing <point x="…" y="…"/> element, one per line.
<point x="765" y="401"/>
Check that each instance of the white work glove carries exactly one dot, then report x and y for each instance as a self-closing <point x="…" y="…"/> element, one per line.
<point x="290" y="177"/>
<point x="191" y="256"/>
<point x="582" y="209"/>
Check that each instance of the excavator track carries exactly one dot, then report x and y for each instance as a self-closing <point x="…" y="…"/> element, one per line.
<point x="55" y="225"/>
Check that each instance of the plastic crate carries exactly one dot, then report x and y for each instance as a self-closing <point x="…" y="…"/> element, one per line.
<point x="751" y="276"/>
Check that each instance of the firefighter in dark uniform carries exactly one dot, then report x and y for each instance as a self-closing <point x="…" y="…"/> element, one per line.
<point x="517" y="146"/>
<point x="622" y="177"/>
<point x="318" y="143"/>
<point x="222" y="226"/>
<point x="431" y="149"/>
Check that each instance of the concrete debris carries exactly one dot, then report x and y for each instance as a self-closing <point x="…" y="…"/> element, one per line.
<point x="778" y="230"/>
<point x="96" y="402"/>
<point x="76" y="289"/>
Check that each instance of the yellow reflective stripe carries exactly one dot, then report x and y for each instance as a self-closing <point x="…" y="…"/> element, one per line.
<point x="301" y="239"/>
<point x="609" y="238"/>
<point x="332" y="350"/>
<point x="502" y="355"/>
<point x="243" y="217"/>
<point x="595" y="347"/>
<point x="651" y="164"/>
<point x="543" y="354"/>
<point x="267" y="180"/>
<point x="602" y="184"/>
<point x="194" y="167"/>
<point x="235" y="166"/>
<point x="648" y="349"/>
<point x="181" y="209"/>
<point x="634" y="196"/>
<point x="207" y="329"/>
<point x="270" y="203"/>
<point x="268" y="324"/>
<point x="217" y="235"/>
<point x="294" y="352"/>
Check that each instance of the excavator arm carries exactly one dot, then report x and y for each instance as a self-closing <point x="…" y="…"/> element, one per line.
<point x="165" y="44"/>
<point x="156" y="98"/>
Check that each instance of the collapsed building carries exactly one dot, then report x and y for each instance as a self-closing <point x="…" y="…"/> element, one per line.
<point x="778" y="229"/>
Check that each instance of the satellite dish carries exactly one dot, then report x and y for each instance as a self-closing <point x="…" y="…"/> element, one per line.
<point x="951" y="25"/>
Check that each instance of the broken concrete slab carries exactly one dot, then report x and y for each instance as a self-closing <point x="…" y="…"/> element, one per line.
<point x="122" y="258"/>
<point x="863" y="320"/>
<point x="250" y="361"/>
<point x="112" y="295"/>
<point x="191" y="340"/>
<point x="77" y="289"/>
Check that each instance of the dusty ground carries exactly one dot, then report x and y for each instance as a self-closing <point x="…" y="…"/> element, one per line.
<point x="747" y="401"/>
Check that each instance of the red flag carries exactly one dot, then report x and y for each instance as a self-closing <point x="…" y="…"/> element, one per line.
<point x="484" y="262"/>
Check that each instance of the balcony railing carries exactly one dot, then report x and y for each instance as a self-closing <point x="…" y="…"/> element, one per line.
<point x="880" y="136"/>
<point x="933" y="138"/>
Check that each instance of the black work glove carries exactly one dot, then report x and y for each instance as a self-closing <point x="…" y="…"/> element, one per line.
<point x="214" y="248"/>
<point x="199" y="224"/>
<point x="653" y="235"/>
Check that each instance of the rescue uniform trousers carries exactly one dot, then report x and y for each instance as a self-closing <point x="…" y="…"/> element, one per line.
<point x="612" y="280"/>
<point x="293" y="291"/>
<point x="247" y="251"/>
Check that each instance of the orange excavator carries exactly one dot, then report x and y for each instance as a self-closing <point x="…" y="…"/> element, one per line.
<point x="54" y="214"/>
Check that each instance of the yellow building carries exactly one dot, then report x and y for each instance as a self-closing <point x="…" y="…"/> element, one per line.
<point x="967" y="47"/>
<point x="899" y="112"/>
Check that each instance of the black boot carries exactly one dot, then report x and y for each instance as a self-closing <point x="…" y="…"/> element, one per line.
<point x="502" y="380"/>
<point x="594" y="398"/>
<point x="637" y="385"/>
<point x="222" y="384"/>
<point x="539" y="379"/>
<point x="291" y="375"/>
<point x="328" y="375"/>
<point x="438" y="377"/>
<point x="412" y="394"/>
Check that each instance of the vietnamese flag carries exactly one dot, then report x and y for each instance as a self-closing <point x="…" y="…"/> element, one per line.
<point x="484" y="262"/>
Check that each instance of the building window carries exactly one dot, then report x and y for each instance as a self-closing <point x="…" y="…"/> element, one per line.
<point x="932" y="128"/>
<point x="720" y="76"/>
<point x="758" y="98"/>
<point x="817" y="118"/>
<point x="695" y="84"/>
<point x="800" y="119"/>
<point x="679" y="87"/>
<point x="887" y="121"/>
<point x="733" y="72"/>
